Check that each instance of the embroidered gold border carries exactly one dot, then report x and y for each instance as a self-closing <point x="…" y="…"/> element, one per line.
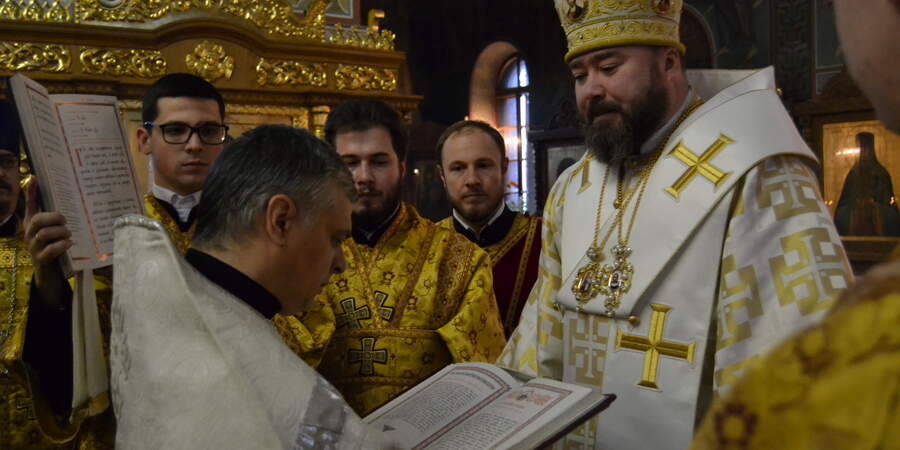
<point x="520" y="274"/>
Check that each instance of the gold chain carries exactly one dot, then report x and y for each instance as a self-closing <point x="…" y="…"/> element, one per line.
<point x="645" y="178"/>
<point x="613" y="280"/>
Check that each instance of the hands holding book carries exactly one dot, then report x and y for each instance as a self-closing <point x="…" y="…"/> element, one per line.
<point x="47" y="238"/>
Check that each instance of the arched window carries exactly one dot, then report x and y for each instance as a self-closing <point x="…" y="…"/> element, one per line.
<point x="499" y="95"/>
<point x="512" y="121"/>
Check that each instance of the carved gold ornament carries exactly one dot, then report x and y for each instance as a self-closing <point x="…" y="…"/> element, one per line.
<point x="133" y="63"/>
<point x="372" y="38"/>
<point x="365" y="78"/>
<point x="27" y="57"/>
<point x="34" y="11"/>
<point x="292" y="73"/>
<point x="210" y="62"/>
<point x="272" y="16"/>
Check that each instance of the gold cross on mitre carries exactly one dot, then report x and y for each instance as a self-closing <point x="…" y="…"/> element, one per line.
<point x="653" y="346"/>
<point x="699" y="165"/>
<point x="367" y="356"/>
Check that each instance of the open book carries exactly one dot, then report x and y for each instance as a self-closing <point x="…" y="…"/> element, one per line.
<point x="79" y="152"/>
<point x="481" y="406"/>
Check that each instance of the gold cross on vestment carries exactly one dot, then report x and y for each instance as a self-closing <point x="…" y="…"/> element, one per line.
<point x="352" y="315"/>
<point x="653" y="346"/>
<point x="367" y="356"/>
<point x="386" y="312"/>
<point x="699" y="165"/>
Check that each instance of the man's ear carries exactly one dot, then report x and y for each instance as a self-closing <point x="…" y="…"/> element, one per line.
<point x="143" y="140"/>
<point x="504" y="165"/>
<point x="281" y="216"/>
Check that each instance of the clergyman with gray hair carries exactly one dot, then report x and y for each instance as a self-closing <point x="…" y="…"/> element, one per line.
<point x="195" y="360"/>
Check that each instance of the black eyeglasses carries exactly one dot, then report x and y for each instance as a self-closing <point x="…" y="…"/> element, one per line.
<point x="179" y="133"/>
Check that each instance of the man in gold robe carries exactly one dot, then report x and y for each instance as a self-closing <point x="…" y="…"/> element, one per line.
<point x="34" y="409"/>
<point x="834" y="385"/>
<point x="183" y="132"/>
<point x="473" y="168"/>
<point x="415" y="296"/>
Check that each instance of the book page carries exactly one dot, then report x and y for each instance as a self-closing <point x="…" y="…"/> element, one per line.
<point x="515" y="415"/>
<point x="439" y="403"/>
<point x="53" y="165"/>
<point x="97" y="143"/>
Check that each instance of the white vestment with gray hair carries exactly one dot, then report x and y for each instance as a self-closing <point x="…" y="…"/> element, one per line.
<point x="194" y="367"/>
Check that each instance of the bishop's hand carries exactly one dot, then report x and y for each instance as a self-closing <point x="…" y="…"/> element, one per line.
<point x="47" y="239"/>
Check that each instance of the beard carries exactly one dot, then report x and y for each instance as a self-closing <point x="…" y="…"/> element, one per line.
<point x="614" y="144"/>
<point x="371" y="218"/>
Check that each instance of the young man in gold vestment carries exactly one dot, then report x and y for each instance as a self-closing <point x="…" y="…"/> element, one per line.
<point x="473" y="164"/>
<point x="835" y="385"/>
<point x="415" y="296"/>
<point x="183" y="133"/>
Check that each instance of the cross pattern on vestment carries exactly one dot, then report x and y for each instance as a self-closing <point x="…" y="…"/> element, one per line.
<point x="367" y="356"/>
<point x="352" y="315"/>
<point x="386" y="312"/>
<point x="653" y="346"/>
<point x="699" y="165"/>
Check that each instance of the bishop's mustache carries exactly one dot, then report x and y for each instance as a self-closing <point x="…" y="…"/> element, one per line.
<point x="598" y="107"/>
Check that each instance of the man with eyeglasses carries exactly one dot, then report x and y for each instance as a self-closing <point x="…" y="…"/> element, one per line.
<point x="183" y="134"/>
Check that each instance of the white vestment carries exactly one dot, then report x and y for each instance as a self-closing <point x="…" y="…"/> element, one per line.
<point x="194" y="367"/>
<point x="733" y="250"/>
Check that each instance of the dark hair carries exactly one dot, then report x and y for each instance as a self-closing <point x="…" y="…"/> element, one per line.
<point x="264" y="162"/>
<point x="365" y="114"/>
<point x="178" y="85"/>
<point x="463" y="125"/>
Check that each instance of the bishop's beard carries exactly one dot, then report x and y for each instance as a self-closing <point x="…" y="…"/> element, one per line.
<point x="614" y="143"/>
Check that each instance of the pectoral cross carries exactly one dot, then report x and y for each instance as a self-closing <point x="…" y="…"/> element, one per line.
<point x="615" y="279"/>
<point x="352" y="315"/>
<point x="587" y="281"/>
<point x="699" y="165"/>
<point x="367" y="356"/>
<point x="653" y="346"/>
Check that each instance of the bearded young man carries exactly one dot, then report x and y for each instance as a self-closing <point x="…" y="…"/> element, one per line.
<point x="473" y="168"/>
<point x="415" y="296"/>
<point x="688" y="240"/>
<point x="834" y="385"/>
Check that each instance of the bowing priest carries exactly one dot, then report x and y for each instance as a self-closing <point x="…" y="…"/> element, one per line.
<point x="183" y="132"/>
<point x="195" y="361"/>
<point x="834" y="385"/>
<point x="416" y="296"/>
<point x="689" y="238"/>
<point x="473" y="168"/>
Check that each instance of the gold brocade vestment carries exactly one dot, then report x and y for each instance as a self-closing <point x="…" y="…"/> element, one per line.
<point x="26" y="420"/>
<point x="155" y="211"/>
<point x="835" y="385"/>
<point x="515" y="266"/>
<point x="22" y="423"/>
<point x="419" y="300"/>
